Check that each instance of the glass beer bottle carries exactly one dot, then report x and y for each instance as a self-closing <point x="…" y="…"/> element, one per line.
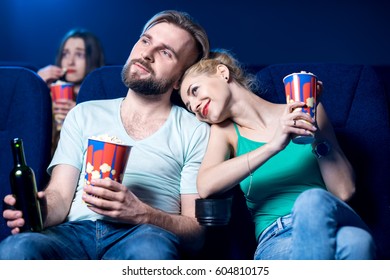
<point x="24" y="189"/>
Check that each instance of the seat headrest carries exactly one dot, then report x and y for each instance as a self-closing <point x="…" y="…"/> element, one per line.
<point x="343" y="84"/>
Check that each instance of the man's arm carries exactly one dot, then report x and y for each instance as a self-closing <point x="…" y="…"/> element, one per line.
<point x="185" y="225"/>
<point x="55" y="199"/>
<point x="58" y="195"/>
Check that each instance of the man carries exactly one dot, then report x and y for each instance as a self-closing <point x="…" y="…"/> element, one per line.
<point x="152" y="214"/>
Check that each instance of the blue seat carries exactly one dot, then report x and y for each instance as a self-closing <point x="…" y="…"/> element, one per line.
<point x="355" y="99"/>
<point x="102" y="83"/>
<point x="25" y="112"/>
<point x="106" y="83"/>
<point x="19" y="64"/>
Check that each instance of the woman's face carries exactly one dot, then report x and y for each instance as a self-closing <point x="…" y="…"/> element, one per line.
<point x="206" y="96"/>
<point x="74" y="60"/>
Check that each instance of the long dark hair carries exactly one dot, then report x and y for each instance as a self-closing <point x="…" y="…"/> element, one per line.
<point x="94" y="53"/>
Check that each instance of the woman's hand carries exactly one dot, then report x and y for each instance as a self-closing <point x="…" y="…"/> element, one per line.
<point x="320" y="89"/>
<point x="61" y="107"/>
<point x="51" y="73"/>
<point x="291" y="122"/>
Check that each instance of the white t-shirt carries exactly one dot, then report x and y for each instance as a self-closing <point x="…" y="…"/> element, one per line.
<point x="161" y="167"/>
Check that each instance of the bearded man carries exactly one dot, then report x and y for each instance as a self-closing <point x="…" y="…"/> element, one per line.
<point x="151" y="214"/>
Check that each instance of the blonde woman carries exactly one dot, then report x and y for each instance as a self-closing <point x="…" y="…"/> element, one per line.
<point x="296" y="197"/>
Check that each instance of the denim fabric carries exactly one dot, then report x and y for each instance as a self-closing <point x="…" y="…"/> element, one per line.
<point x="83" y="240"/>
<point x="321" y="227"/>
<point x="275" y="240"/>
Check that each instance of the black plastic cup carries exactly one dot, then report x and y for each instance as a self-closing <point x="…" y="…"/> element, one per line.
<point x="213" y="211"/>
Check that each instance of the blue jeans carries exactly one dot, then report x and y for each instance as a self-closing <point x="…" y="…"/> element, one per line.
<point x="320" y="227"/>
<point x="84" y="240"/>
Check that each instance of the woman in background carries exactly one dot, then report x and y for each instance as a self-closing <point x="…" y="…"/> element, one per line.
<point x="296" y="193"/>
<point x="79" y="53"/>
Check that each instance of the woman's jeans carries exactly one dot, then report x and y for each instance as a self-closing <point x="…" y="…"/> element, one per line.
<point x="92" y="240"/>
<point x="320" y="227"/>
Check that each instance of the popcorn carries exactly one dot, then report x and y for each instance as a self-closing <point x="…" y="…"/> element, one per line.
<point x="59" y="82"/>
<point x="62" y="90"/>
<point x="107" y="138"/>
<point x="105" y="168"/>
<point x="302" y="87"/>
<point x="66" y="71"/>
<point x="89" y="168"/>
<point x="106" y="158"/>
<point x="95" y="174"/>
<point x="310" y="102"/>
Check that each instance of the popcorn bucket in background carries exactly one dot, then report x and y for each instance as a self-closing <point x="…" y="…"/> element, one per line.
<point x="62" y="90"/>
<point x="302" y="87"/>
<point x="106" y="159"/>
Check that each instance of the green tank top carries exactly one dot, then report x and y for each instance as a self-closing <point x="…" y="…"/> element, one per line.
<point x="278" y="182"/>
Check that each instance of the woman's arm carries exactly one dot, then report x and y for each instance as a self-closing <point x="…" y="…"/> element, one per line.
<point x="220" y="172"/>
<point x="210" y="180"/>
<point x="336" y="170"/>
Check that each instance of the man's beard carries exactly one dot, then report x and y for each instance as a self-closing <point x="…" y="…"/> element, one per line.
<point x="147" y="87"/>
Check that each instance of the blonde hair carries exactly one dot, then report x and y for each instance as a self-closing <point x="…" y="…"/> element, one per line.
<point x="209" y="65"/>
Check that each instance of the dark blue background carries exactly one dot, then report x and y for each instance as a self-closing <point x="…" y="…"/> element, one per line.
<point x="258" y="32"/>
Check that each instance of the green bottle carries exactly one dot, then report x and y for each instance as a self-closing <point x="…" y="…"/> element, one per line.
<point x="24" y="189"/>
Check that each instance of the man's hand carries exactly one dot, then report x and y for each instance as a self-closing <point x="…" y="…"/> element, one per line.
<point x="14" y="217"/>
<point x="112" y="199"/>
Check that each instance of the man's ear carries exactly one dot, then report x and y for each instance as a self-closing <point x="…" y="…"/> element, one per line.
<point x="223" y="71"/>
<point x="176" y="85"/>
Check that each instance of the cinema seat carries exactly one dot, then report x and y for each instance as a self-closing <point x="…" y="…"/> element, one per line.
<point x="25" y="112"/>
